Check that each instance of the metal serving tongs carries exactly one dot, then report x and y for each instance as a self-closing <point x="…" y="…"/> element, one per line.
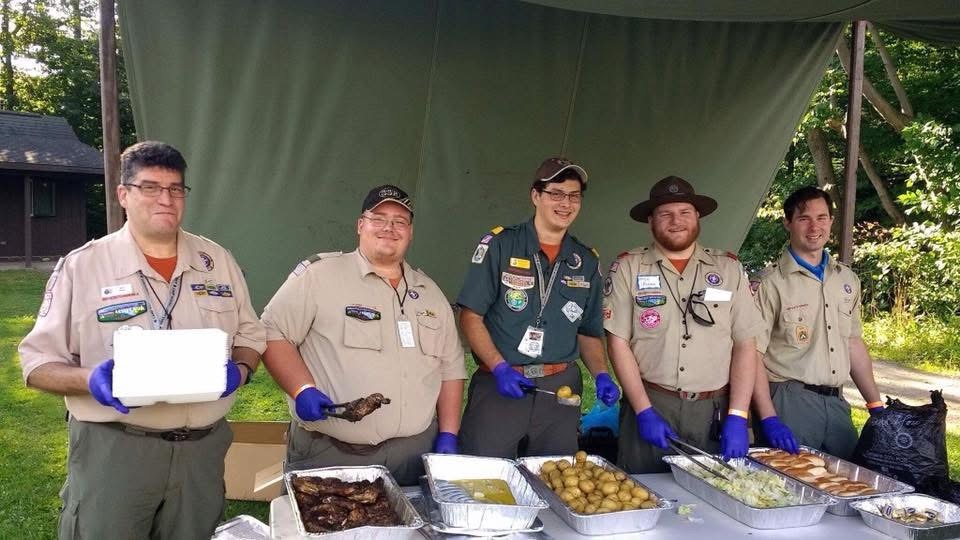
<point x="673" y="442"/>
<point x="572" y="401"/>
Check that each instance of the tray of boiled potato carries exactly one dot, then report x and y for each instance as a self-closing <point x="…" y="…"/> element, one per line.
<point x="841" y="479"/>
<point x="593" y="496"/>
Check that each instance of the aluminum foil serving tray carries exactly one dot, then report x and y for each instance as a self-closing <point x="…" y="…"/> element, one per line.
<point x="624" y="521"/>
<point x="834" y="465"/>
<point x="483" y="516"/>
<point x="409" y="517"/>
<point x="871" y="510"/>
<point x="807" y="512"/>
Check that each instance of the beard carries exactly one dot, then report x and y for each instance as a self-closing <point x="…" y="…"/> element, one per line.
<point x="674" y="242"/>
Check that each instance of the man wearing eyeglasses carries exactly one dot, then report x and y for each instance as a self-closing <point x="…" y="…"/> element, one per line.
<point x="153" y="471"/>
<point x="344" y="326"/>
<point x="530" y="306"/>
<point x="812" y="337"/>
<point x="681" y="327"/>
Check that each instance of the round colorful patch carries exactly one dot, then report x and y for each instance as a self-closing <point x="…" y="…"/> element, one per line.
<point x="607" y="286"/>
<point x="847" y="288"/>
<point x="207" y="260"/>
<point x="713" y="278"/>
<point x="575" y="261"/>
<point x="515" y="299"/>
<point x="650" y="319"/>
<point x="413" y="294"/>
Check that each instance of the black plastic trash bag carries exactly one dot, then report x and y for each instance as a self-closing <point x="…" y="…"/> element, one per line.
<point x="907" y="442"/>
<point x="942" y="488"/>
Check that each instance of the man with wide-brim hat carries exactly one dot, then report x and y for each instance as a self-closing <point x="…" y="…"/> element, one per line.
<point x="681" y="327"/>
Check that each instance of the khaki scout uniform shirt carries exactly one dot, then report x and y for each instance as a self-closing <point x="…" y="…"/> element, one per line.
<point x="343" y="318"/>
<point x="808" y="323"/>
<point x="640" y="308"/>
<point x="103" y="276"/>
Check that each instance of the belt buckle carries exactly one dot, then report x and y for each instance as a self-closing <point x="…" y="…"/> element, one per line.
<point x="689" y="396"/>
<point x="533" y="371"/>
<point x="176" y="435"/>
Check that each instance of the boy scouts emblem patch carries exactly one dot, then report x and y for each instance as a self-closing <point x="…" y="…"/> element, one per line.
<point x="803" y="335"/>
<point x="413" y="294"/>
<point x="713" y="278"/>
<point x="515" y="281"/>
<point x="121" y="312"/>
<point x="515" y="299"/>
<point x="207" y="260"/>
<point x="479" y="254"/>
<point x="650" y="300"/>
<point x="575" y="261"/>
<point x="847" y="288"/>
<point x="650" y="319"/>
<point x="607" y="286"/>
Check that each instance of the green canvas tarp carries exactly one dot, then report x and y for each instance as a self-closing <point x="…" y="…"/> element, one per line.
<point x="289" y="111"/>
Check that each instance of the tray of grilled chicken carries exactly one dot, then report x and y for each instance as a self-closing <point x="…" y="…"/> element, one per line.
<point x="350" y="503"/>
<point x="845" y="481"/>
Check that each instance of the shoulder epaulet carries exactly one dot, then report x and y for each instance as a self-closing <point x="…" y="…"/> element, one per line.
<point x="732" y="255"/>
<point x="590" y="249"/>
<point x="302" y="266"/>
<point x="635" y="251"/>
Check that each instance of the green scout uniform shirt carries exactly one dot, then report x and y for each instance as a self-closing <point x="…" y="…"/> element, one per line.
<point x="640" y="308"/>
<point x="808" y="323"/>
<point x="501" y="285"/>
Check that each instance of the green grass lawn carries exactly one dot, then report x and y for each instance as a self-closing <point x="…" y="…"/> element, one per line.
<point x="33" y="437"/>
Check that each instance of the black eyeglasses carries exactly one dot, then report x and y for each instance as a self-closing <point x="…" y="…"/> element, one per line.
<point x="559" y="196"/>
<point x="704" y="317"/>
<point x="177" y="191"/>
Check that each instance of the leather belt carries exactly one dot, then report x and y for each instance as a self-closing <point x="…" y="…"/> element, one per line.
<point x="533" y="371"/>
<point x="688" y="396"/>
<point x="831" y="391"/>
<point x="174" y="435"/>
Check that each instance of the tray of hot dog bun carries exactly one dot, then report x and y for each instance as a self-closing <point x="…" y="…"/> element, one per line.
<point x="841" y="479"/>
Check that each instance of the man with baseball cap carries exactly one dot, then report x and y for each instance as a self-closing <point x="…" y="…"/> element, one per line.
<point x="347" y="325"/>
<point x="530" y="306"/>
<point x="681" y="327"/>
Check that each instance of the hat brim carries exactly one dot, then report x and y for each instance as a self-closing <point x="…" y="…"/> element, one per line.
<point x="579" y="170"/>
<point x="398" y="201"/>
<point x="704" y="205"/>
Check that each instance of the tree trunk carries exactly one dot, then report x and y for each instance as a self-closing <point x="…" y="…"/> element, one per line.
<point x="905" y="106"/>
<point x="75" y="19"/>
<point x="888" y="112"/>
<point x="6" y="42"/>
<point x="886" y="200"/>
<point x="826" y="176"/>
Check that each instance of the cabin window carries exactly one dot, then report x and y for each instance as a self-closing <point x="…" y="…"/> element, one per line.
<point x="44" y="199"/>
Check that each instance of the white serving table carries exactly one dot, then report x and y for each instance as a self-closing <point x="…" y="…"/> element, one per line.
<point x="711" y="524"/>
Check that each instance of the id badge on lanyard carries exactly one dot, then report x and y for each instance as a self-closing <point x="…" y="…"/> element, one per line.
<point x="532" y="343"/>
<point x="405" y="330"/>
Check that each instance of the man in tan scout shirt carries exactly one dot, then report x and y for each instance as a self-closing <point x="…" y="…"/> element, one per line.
<point x="812" y="337"/>
<point x="344" y="326"/>
<point x="154" y="471"/>
<point x="680" y="326"/>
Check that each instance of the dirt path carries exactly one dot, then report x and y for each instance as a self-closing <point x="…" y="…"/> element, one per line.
<point x="912" y="387"/>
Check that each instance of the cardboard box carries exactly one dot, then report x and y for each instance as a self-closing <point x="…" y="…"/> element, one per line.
<point x="254" y="463"/>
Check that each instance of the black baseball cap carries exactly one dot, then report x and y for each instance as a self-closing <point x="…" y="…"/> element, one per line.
<point x="384" y="193"/>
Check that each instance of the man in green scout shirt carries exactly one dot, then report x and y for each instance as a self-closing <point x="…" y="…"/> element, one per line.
<point x="681" y="328"/>
<point x="530" y="305"/>
<point x="812" y="337"/>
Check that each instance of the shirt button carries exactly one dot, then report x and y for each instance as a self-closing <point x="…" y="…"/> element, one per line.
<point x="834" y="372"/>
<point x="716" y="305"/>
<point x="683" y="299"/>
<point x="831" y="349"/>
<point x="826" y="305"/>
<point x="681" y="278"/>
<point x="681" y="368"/>
<point x="829" y="327"/>
<point x="683" y="345"/>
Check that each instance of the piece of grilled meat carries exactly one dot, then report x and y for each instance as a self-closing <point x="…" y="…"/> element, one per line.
<point x="358" y="408"/>
<point x="331" y="504"/>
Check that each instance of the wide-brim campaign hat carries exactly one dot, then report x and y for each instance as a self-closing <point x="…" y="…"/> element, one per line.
<point x="670" y="190"/>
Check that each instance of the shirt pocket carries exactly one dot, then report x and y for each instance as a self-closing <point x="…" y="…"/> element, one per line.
<point x="577" y="295"/>
<point x="219" y="312"/>
<point x="360" y="334"/>
<point x="844" y="322"/>
<point x="796" y="328"/>
<point x="431" y="337"/>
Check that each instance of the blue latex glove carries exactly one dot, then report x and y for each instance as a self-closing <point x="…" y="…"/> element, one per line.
<point x="779" y="434"/>
<point x="510" y="383"/>
<point x="101" y="386"/>
<point x="653" y="428"/>
<point x="234" y="378"/>
<point x="875" y="410"/>
<point x="311" y="404"/>
<point x="734" y="440"/>
<point x="446" y="443"/>
<point x="607" y="390"/>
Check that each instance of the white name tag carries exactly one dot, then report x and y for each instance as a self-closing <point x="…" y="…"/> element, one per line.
<point x="405" y="329"/>
<point x="717" y="295"/>
<point x="113" y="291"/>
<point x="532" y="343"/>
<point x="648" y="282"/>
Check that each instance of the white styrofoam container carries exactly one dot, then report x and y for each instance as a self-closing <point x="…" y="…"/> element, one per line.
<point x="172" y="366"/>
